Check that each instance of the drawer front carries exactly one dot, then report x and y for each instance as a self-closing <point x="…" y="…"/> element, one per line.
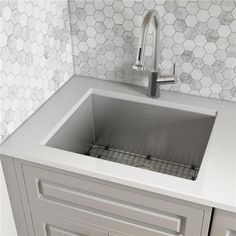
<point x="52" y="225"/>
<point x="65" y="194"/>
<point x="86" y="224"/>
<point x="57" y="193"/>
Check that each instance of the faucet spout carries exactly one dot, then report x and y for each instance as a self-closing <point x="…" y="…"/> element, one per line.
<point x="151" y="15"/>
<point x="155" y="78"/>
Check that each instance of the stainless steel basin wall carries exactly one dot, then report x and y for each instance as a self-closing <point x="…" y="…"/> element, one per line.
<point x="77" y="134"/>
<point x="165" y="133"/>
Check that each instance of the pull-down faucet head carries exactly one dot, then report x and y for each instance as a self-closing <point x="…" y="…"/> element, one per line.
<point x="138" y="67"/>
<point x="151" y="15"/>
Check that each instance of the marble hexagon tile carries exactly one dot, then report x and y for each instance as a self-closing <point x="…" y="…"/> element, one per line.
<point x="199" y="35"/>
<point x="35" y="57"/>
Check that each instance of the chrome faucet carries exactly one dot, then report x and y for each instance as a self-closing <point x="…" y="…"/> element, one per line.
<point x="155" y="77"/>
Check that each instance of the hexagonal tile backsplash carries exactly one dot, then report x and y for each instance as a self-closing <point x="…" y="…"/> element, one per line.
<point x="35" y="57"/>
<point x="199" y="35"/>
<point x="36" y="53"/>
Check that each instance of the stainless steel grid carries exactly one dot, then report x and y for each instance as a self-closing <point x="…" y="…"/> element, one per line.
<point x="145" y="162"/>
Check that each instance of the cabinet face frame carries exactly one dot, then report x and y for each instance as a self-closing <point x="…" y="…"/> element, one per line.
<point x="17" y="194"/>
<point x="16" y="165"/>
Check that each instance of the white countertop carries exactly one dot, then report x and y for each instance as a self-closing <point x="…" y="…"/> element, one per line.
<point x="216" y="182"/>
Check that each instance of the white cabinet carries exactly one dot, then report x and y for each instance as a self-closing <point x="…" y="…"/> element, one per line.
<point x="223" y="224"/>
<point x="110" y="205"/>
<point x="60" y="203"/>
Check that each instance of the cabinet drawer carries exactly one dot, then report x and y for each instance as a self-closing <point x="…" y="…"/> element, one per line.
<point x="87" y="224"/>
<point x="52" y="225"/>
<point x="67" y="195"/>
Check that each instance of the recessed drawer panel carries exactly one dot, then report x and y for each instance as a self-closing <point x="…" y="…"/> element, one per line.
<point x="64" y="194"/>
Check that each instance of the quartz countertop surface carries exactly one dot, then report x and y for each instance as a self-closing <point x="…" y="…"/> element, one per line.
<point x="216" y="182"/>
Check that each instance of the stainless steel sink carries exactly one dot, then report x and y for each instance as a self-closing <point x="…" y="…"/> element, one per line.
<point x="160" y="137"/>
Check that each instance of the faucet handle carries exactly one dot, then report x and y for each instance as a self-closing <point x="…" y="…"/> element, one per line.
<point x="167" y="78"/>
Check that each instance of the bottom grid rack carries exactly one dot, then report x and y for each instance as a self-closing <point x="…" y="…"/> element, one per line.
<point x="145" y="162"/>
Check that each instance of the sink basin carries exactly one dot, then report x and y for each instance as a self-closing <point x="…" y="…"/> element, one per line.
<point x="163" y="137"/>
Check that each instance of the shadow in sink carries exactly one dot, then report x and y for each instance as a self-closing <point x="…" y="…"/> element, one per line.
<point x="153" y="137"/>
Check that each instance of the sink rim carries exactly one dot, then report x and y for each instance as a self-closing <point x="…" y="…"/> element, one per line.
<point x="135" y="99"/>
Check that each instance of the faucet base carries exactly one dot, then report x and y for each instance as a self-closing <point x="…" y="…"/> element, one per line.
<point x="153" y="88"/>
